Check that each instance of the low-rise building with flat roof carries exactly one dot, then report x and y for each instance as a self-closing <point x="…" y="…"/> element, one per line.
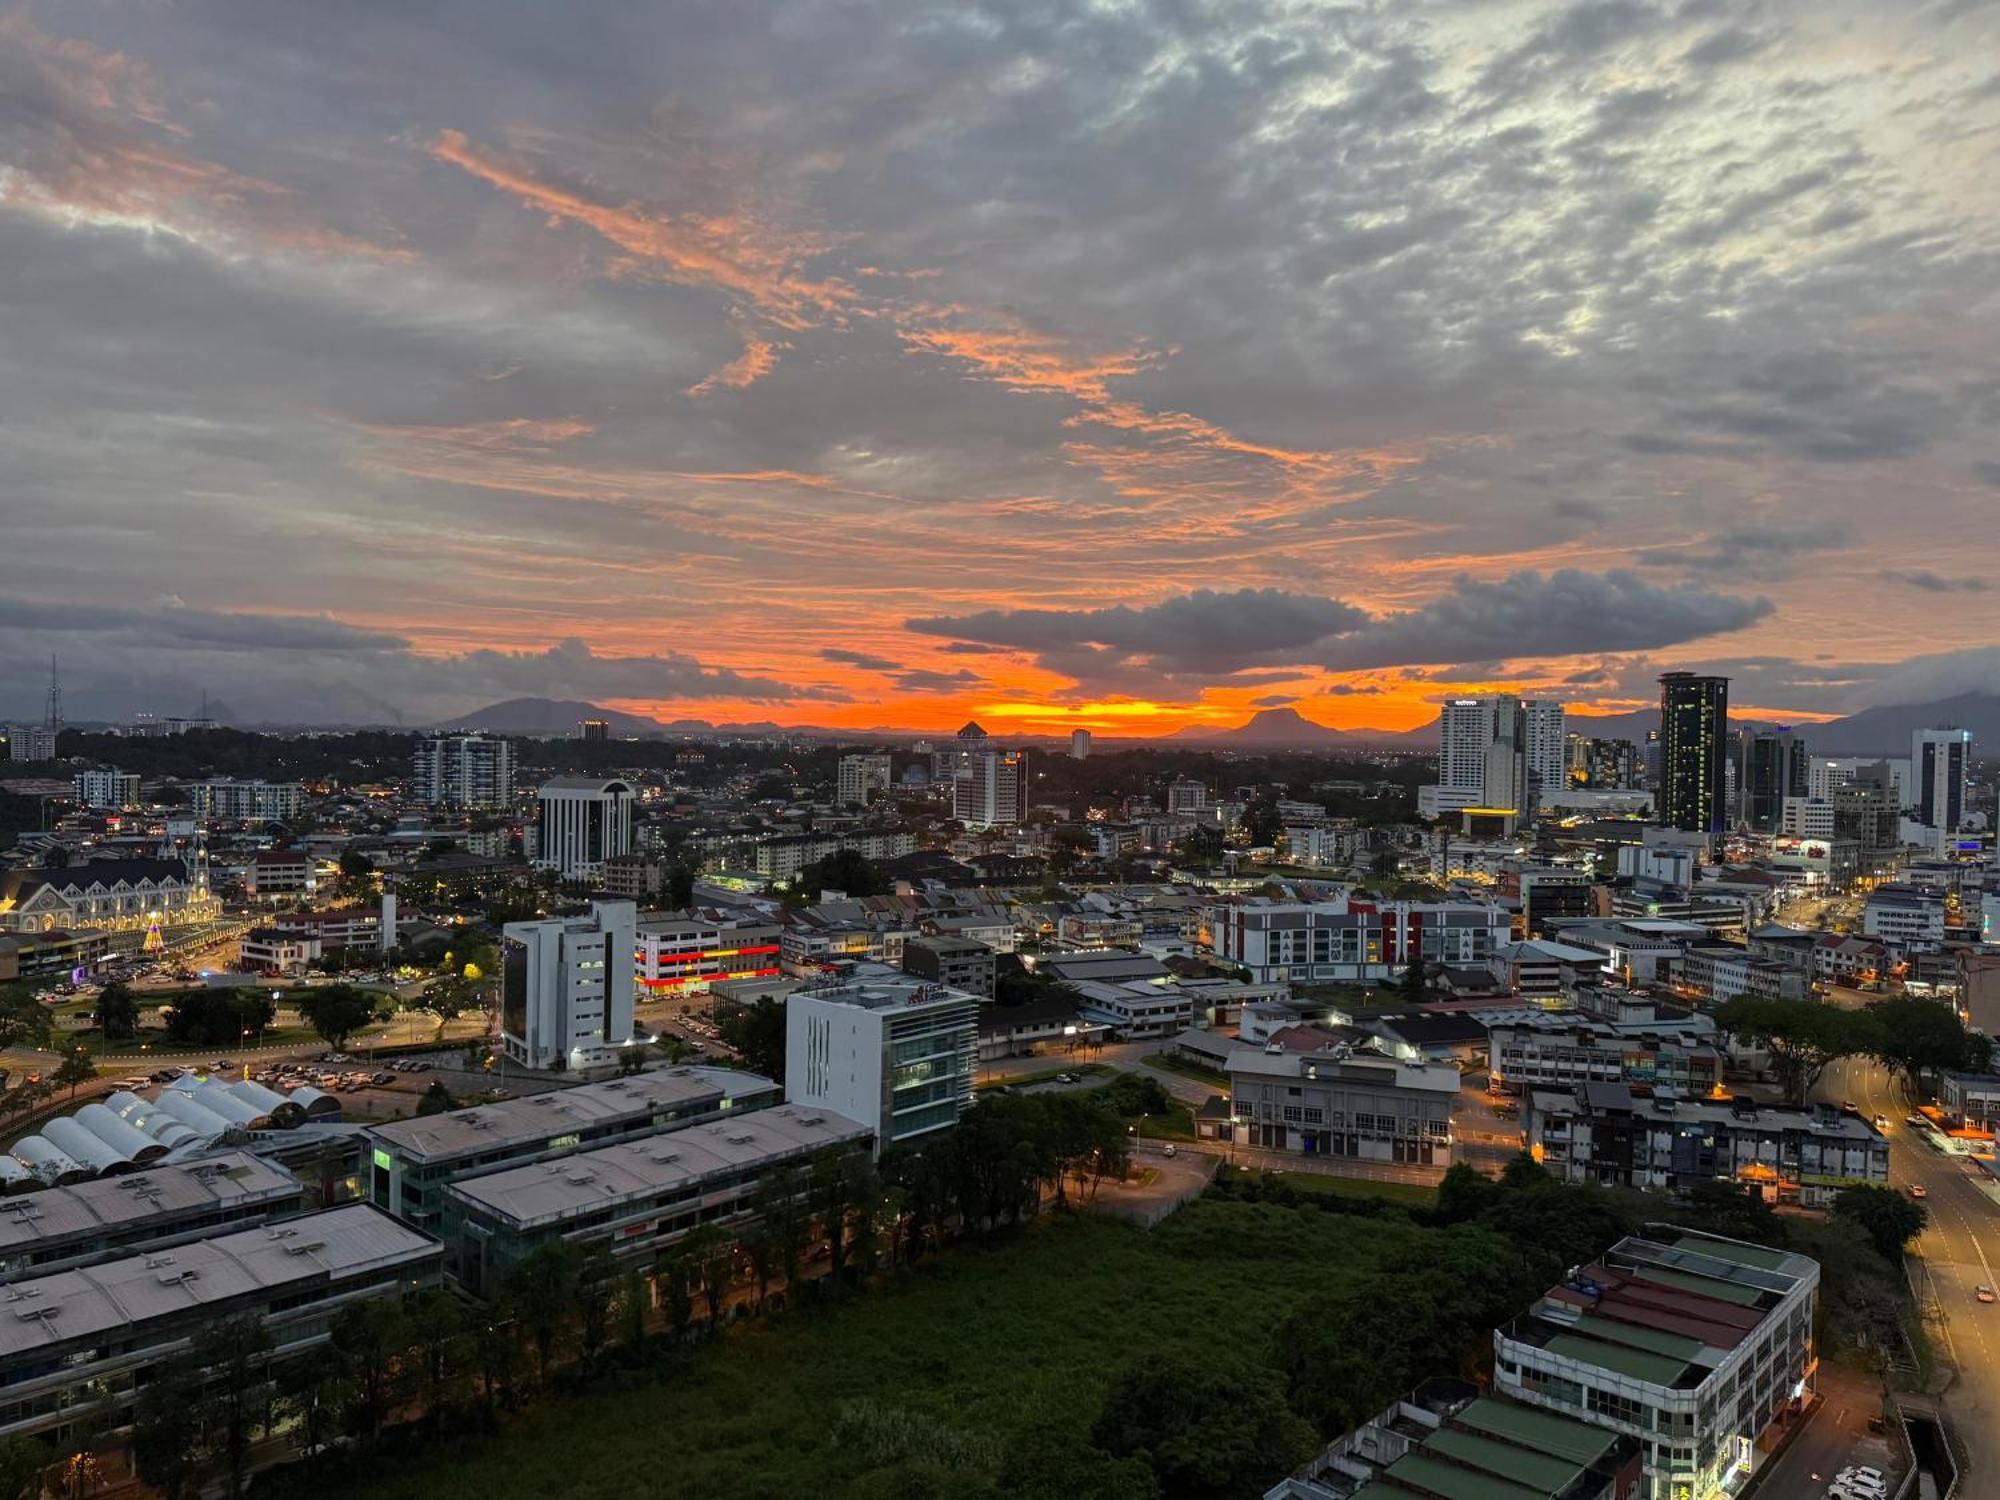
<point x="1693" y="1345"/>
<point x="635" y="1197"/>
<point x="1341" y="1103"/>
<point x="1603" y="1133"/>
<point x="110" y="1326"/>
<point x="411" y="1161"/>
<point x="61" y="1227"/>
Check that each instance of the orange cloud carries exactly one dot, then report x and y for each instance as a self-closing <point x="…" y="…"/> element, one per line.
<point x="1023" y="359"/>
<point x="730" y="252"/>
<point x="86" y="150"/>
<point x="758" y="359"/>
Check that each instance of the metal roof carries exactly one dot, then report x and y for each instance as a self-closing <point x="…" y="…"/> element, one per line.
<point x="485" y="1127"/>
<point x="90" y="1208"/>
<point x="41" y="1311"/>
<point x="544" y="1191"/>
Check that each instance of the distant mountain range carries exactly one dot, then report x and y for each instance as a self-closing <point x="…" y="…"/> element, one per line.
<point x="1873" y="731"/>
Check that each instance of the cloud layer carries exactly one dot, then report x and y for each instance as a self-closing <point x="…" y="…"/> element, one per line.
<point x="1149" y="360"/>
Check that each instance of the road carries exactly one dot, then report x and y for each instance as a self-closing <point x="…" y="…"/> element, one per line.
<point x="1960" y="1250"/>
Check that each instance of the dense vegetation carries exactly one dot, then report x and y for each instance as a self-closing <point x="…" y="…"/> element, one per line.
<point x="1908" y="1036"/>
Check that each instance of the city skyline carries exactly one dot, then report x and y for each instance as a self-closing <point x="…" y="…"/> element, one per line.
<point x="883" y="367"/>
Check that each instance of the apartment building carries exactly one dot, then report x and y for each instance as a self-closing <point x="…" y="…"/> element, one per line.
<point x="463" y="770"/>
<point x="785" y="858"/>
<point x="1693" y="1345"/>
<point x="1909" y="917"/>
<point x="280" y="875"/>
<point x="106" y="788"/>
<point x="1348" y="939"/>
<point x="862" y="778"/>
<point x="580" y="823"/>
<point x="246" y="801"/>
<point x="1602" y="1132"/>
<point x="1556" y="1052"/>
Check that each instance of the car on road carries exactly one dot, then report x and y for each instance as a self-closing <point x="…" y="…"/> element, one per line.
<point x="1915" y="1122"/>
<point x="1918" y="1190"/>
<point x="1881" y="1122"/>
<point x="1850" y="1106"/>
<point x="1984" y="1293"/>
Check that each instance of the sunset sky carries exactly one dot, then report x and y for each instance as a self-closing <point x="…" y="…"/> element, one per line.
<point x="1128" y="365"/>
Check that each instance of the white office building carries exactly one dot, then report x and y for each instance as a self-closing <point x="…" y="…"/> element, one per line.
<point x="1079" y="744"/>
<point x="895" y="1053"/>
<point x="862" y="778"/>
<point x="463" y="770"/>
<point x="107" y="788"/>
<point x="582" y="822"/>
<point x="566" y="987"/>
<point x="1807" y="818"/>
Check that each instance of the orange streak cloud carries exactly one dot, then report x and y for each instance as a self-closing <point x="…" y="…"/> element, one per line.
<point x="758" y="359"/>
<point x="729" y="252"/>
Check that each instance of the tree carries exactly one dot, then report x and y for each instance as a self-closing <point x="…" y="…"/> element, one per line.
<point x="1416" y="982"/>
<point x="541" y="1293"/>
<point x="1913" y="1037"/>
<point x="236" y="1355"/>
<point x="1386" y="866"/>
<point x="436" y="1100"/>
<point x="24" y="1020"/>
<point x="117" y="1012"/>
<point x="843" y="1189"/>
<point x="1261" y="821"/>
<point x="217" y="1018"/>
<point x="305" y="1385"/>
<point x="23" y="1463"/>
<point x="1187" y="1419"/>
<point x="357" y="872"/>
<point x="367" y="1339"/>
<point x="1802" y="1036"/>
<point x="782" y="1221"/>
<point x="437" y="1322"/>
<point x="845" y="870"/>
<point x="76" y="1068"/>
<point x="1889" y="1219"/>
<point x="164" y="1426"/>
<point x="336" y="1012"/>
<point x="757" y="1031"/>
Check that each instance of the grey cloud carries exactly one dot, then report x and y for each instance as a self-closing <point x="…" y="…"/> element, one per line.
<point x="1200" y="632"/>
<point x="1275" y="700"/>
<point x="1761" y="553"/>
<point x="1526" y="615"/>
<point x="1729" y="45"/>
<point x="175" y="623"/>
<point x="924" y="680"/>
<point x="1933" y="583"/>
<point x="1529" y="615"/>
<point x="859" y="659"/>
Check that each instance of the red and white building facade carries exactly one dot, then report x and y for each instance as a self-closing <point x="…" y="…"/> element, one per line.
<point x="682" y="953"/>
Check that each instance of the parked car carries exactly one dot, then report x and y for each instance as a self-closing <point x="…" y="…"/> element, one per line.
<point x="1918" y="1190"/>
<point x="1984" y="1293"/>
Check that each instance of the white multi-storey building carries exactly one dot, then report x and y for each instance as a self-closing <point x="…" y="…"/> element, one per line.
<point x="862" y="778"/>
<point x="1345" y="939"/>
<point x="246" y="801"/>
<point x="1910" y="917"/>
<point x="1497" y="752"/>
<point x="1696" y="1346"/>
<point x="107" y="788"/>
<point x="1807" y="818"/>
<point x="894" y="1053"/>
<point x="990" y="789"/>
<point x="582" y="822"/>
<point x="566" y="987"/>
<point x="463" y="770"/>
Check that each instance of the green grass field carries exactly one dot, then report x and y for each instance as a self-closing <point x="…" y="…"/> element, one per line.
<point x="1003" y="1348"/>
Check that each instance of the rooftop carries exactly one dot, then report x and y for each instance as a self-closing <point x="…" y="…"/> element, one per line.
<point x="546" y="1191"/>
<point x="516" y="1121"/>
<point x="79" y="1304"/>
<point x="88" y="1208"/>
